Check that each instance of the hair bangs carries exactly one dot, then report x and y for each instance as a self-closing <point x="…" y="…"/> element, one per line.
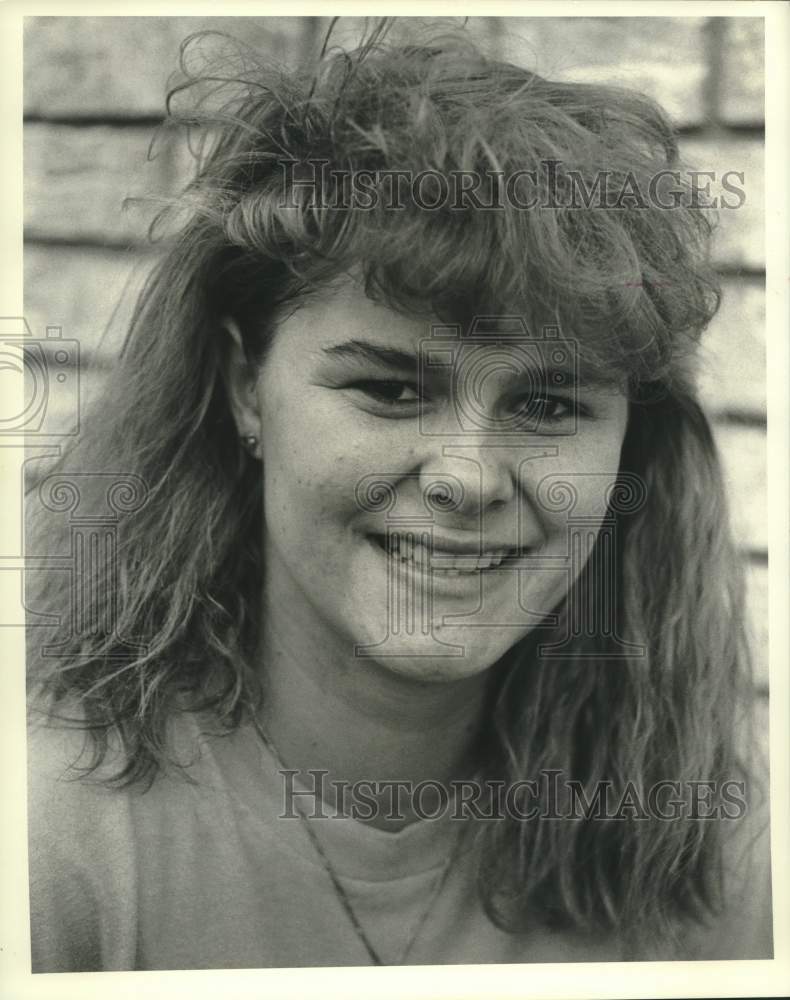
<point x="463" y="187"/>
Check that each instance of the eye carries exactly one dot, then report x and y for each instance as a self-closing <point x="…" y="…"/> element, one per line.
<point x="554" y="408"/>
<point x="391" y="392"/>
<point x="548" y="409"/>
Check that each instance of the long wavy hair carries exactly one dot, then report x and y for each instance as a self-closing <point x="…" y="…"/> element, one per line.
<point x="628" y="280"/>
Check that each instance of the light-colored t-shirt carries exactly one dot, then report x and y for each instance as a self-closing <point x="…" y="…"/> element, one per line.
<point x="205" y="873"/>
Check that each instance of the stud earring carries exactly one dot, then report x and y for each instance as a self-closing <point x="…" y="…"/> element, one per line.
<point x="249" y="441"/>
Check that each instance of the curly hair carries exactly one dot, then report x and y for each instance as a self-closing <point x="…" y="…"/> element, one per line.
<point x="630" y="282"/>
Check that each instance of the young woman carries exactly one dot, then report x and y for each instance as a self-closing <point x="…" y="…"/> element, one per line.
<point x="419" y="637"/>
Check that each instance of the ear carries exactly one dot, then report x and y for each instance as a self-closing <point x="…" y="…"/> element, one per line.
<point x="241" y="381"/>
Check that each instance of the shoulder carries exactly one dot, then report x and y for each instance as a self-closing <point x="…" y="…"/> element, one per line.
<point x="77" y="824"/>
<point x="60" y="758"/>
<point x="66" y="782"/>
<point x="84" y="807"/>
<point x="78" y="832"/>
<point x="89" y="841"/>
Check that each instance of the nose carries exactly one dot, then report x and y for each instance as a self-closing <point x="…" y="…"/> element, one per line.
<point x="468" y="479"/>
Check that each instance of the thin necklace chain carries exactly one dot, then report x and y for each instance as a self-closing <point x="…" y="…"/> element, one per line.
<point x="340" y="892"/>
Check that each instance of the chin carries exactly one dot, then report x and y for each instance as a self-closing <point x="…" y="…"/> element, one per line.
<point x="445" y="657"/>
<point x="417" y="621"/>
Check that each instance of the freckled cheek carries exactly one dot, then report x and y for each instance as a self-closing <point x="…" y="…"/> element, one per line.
<point x="572" y="488"/>
<point x="309" y="497"/>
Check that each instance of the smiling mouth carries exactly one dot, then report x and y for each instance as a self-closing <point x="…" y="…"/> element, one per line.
<point x="413" y="553"/>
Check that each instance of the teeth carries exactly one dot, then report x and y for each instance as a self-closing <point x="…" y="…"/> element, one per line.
<point x="408" y="550"/>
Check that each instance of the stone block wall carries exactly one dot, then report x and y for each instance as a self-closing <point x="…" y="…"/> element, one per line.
<point x="95" y="91"/>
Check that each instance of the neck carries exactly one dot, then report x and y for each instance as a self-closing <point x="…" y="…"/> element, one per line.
<point x="326" y="709"/>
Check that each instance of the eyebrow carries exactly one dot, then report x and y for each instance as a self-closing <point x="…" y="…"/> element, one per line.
<point x="365" y="350"/>
<point x="397" y="359"/>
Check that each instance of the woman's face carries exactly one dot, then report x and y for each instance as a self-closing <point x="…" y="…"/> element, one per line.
<point x="463" y="546"/>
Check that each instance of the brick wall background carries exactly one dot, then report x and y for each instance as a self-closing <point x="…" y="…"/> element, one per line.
<point x="95" y="88"/>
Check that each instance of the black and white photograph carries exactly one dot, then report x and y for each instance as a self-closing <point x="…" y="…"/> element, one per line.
<point x="395" y="498"/>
